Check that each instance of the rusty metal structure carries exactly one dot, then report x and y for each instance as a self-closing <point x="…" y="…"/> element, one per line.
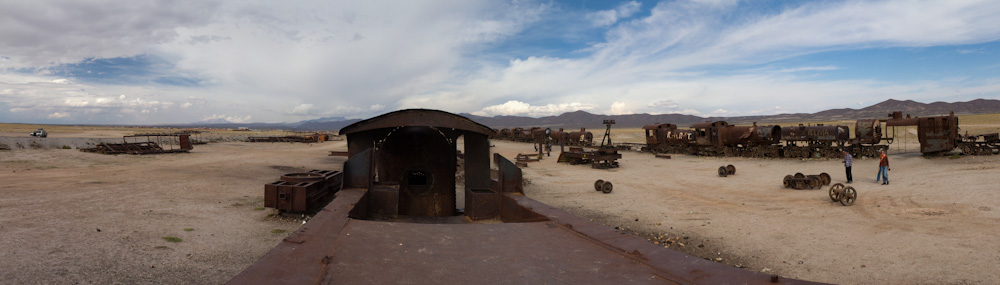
<point x="606" y="156"/>
<point x="146" y="144"/>
<point x="727" y="170"/>
<point x="396" y="221"/>
<point x="985" y="144"/>
<point x="936" y="134"/>
<point x="845" y="195"/>
<point x="814" y="141"/>
<point x="720" y="138"/>
<point x="801" y="181"/>
<point x="305" y="138"/>
<point x="303" y="192"/>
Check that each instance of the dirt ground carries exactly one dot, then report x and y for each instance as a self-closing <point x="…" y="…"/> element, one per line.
<point x="937" y="222"/>
<point x="73" y="217"/>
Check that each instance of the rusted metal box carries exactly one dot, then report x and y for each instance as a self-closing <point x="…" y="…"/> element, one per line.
<point x="481" y="204"/>
<point x="302" y="192"/>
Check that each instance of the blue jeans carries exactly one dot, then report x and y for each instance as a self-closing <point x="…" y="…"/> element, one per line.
<point x="883" y="171"/>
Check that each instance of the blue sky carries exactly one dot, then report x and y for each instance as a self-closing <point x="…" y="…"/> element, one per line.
<point x="151" y="62"/>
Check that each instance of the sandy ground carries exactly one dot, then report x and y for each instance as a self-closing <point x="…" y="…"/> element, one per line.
<point x="71" y="217"/>
<point x="936" y="223"/>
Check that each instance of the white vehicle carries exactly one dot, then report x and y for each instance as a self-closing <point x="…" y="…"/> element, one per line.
<point x="39" y="133"/>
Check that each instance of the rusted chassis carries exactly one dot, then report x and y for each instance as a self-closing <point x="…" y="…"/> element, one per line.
<point x="395" y="176"/>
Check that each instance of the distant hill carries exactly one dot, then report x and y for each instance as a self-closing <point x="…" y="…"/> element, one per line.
<point x="881" y="110"/>
<point x="578" y="119"/>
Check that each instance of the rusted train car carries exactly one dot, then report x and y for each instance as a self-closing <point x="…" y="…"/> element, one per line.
<point x="936" y="134"/>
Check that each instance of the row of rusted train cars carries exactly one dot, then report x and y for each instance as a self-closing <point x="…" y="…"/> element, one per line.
<point x="937" y="134"/>
<point x="536" y="134"/>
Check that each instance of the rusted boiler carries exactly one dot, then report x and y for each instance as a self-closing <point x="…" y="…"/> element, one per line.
<point x="715" y="138"/>
<point x="814" y="141"/>
<point x="581" y="138"/>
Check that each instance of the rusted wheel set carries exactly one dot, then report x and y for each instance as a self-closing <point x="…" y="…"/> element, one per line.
<point x="846" y="195"/>
<point x="801" y="181"/>
<point x="727" y="170"/>
<point x="603" y="186"/>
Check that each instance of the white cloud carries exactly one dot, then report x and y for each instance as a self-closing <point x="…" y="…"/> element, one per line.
<point x="518" y="108"/>
<point x="61" y="81"/>
<point x="620" y="108"/>
<point x="58" y="115"/>
<point x="231" y="119"/>
<point x="303" y="109"/>
<point x="609" y="17"/>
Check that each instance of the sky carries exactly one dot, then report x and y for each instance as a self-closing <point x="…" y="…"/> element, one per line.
<point x="182" y="61"/>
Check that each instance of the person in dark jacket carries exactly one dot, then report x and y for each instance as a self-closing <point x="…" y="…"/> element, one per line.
<point x="848" y="161"/>
<point x="883" y="169"/>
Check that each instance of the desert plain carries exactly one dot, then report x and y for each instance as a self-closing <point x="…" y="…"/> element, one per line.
<point x="70" y="217"/>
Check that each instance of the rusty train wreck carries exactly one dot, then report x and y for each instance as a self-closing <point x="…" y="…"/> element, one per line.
<point x="936" y="134"/>
<point x="397" y="220"/>
<point x="146" y="144"/>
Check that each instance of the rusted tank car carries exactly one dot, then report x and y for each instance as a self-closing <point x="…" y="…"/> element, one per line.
<point x="814" y="141"/>
<point x="581" y="138"/>
<point x="559" y="137"/>
<point x="721" y="138"/>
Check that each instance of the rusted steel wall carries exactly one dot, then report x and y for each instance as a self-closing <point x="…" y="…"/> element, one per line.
<point x="802" y="133"/>
<point x="509" y="175"/>
<point x="937" y="134"/>
<point x="422" y="162"/>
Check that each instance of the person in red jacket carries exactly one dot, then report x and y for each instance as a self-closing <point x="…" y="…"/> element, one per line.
<point x="883" y="169"/>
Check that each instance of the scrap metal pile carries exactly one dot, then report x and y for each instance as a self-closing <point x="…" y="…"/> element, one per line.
<point x="606" y="156"/>
<point x="309" y="138"/>
<point x="937" y="134"/>
<point x="146" y="144"/>
<point x="303" y="192"/>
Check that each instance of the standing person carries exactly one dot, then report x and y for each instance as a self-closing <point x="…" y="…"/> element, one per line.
<point x="883" y="169"/>
<point x="848" y="161"/>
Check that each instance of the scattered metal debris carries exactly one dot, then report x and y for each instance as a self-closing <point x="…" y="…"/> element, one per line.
<point x="146" y="144"/>
<point x="603" y="186"/>
<point x="845" y="195"/>
<point x="801" y="181"/>
<point x="606" y="156"/>
<point x="727" y="170"/>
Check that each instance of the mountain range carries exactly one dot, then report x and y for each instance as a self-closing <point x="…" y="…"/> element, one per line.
<point x="577" y="119"/>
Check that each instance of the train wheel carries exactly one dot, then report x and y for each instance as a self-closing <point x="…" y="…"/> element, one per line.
<point x="731" y="169"/>
<point x="824" y="178"/>
<point x="722" y="171"/>
<point x="800" y="175"/>
<point x="787" y="181"/>
<point x="607" y="187"/>
<point x="849" y="196"/>
<point x="813" y="183"/>
<point x="598" y="184"/>
<point x="835" y="191"/>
